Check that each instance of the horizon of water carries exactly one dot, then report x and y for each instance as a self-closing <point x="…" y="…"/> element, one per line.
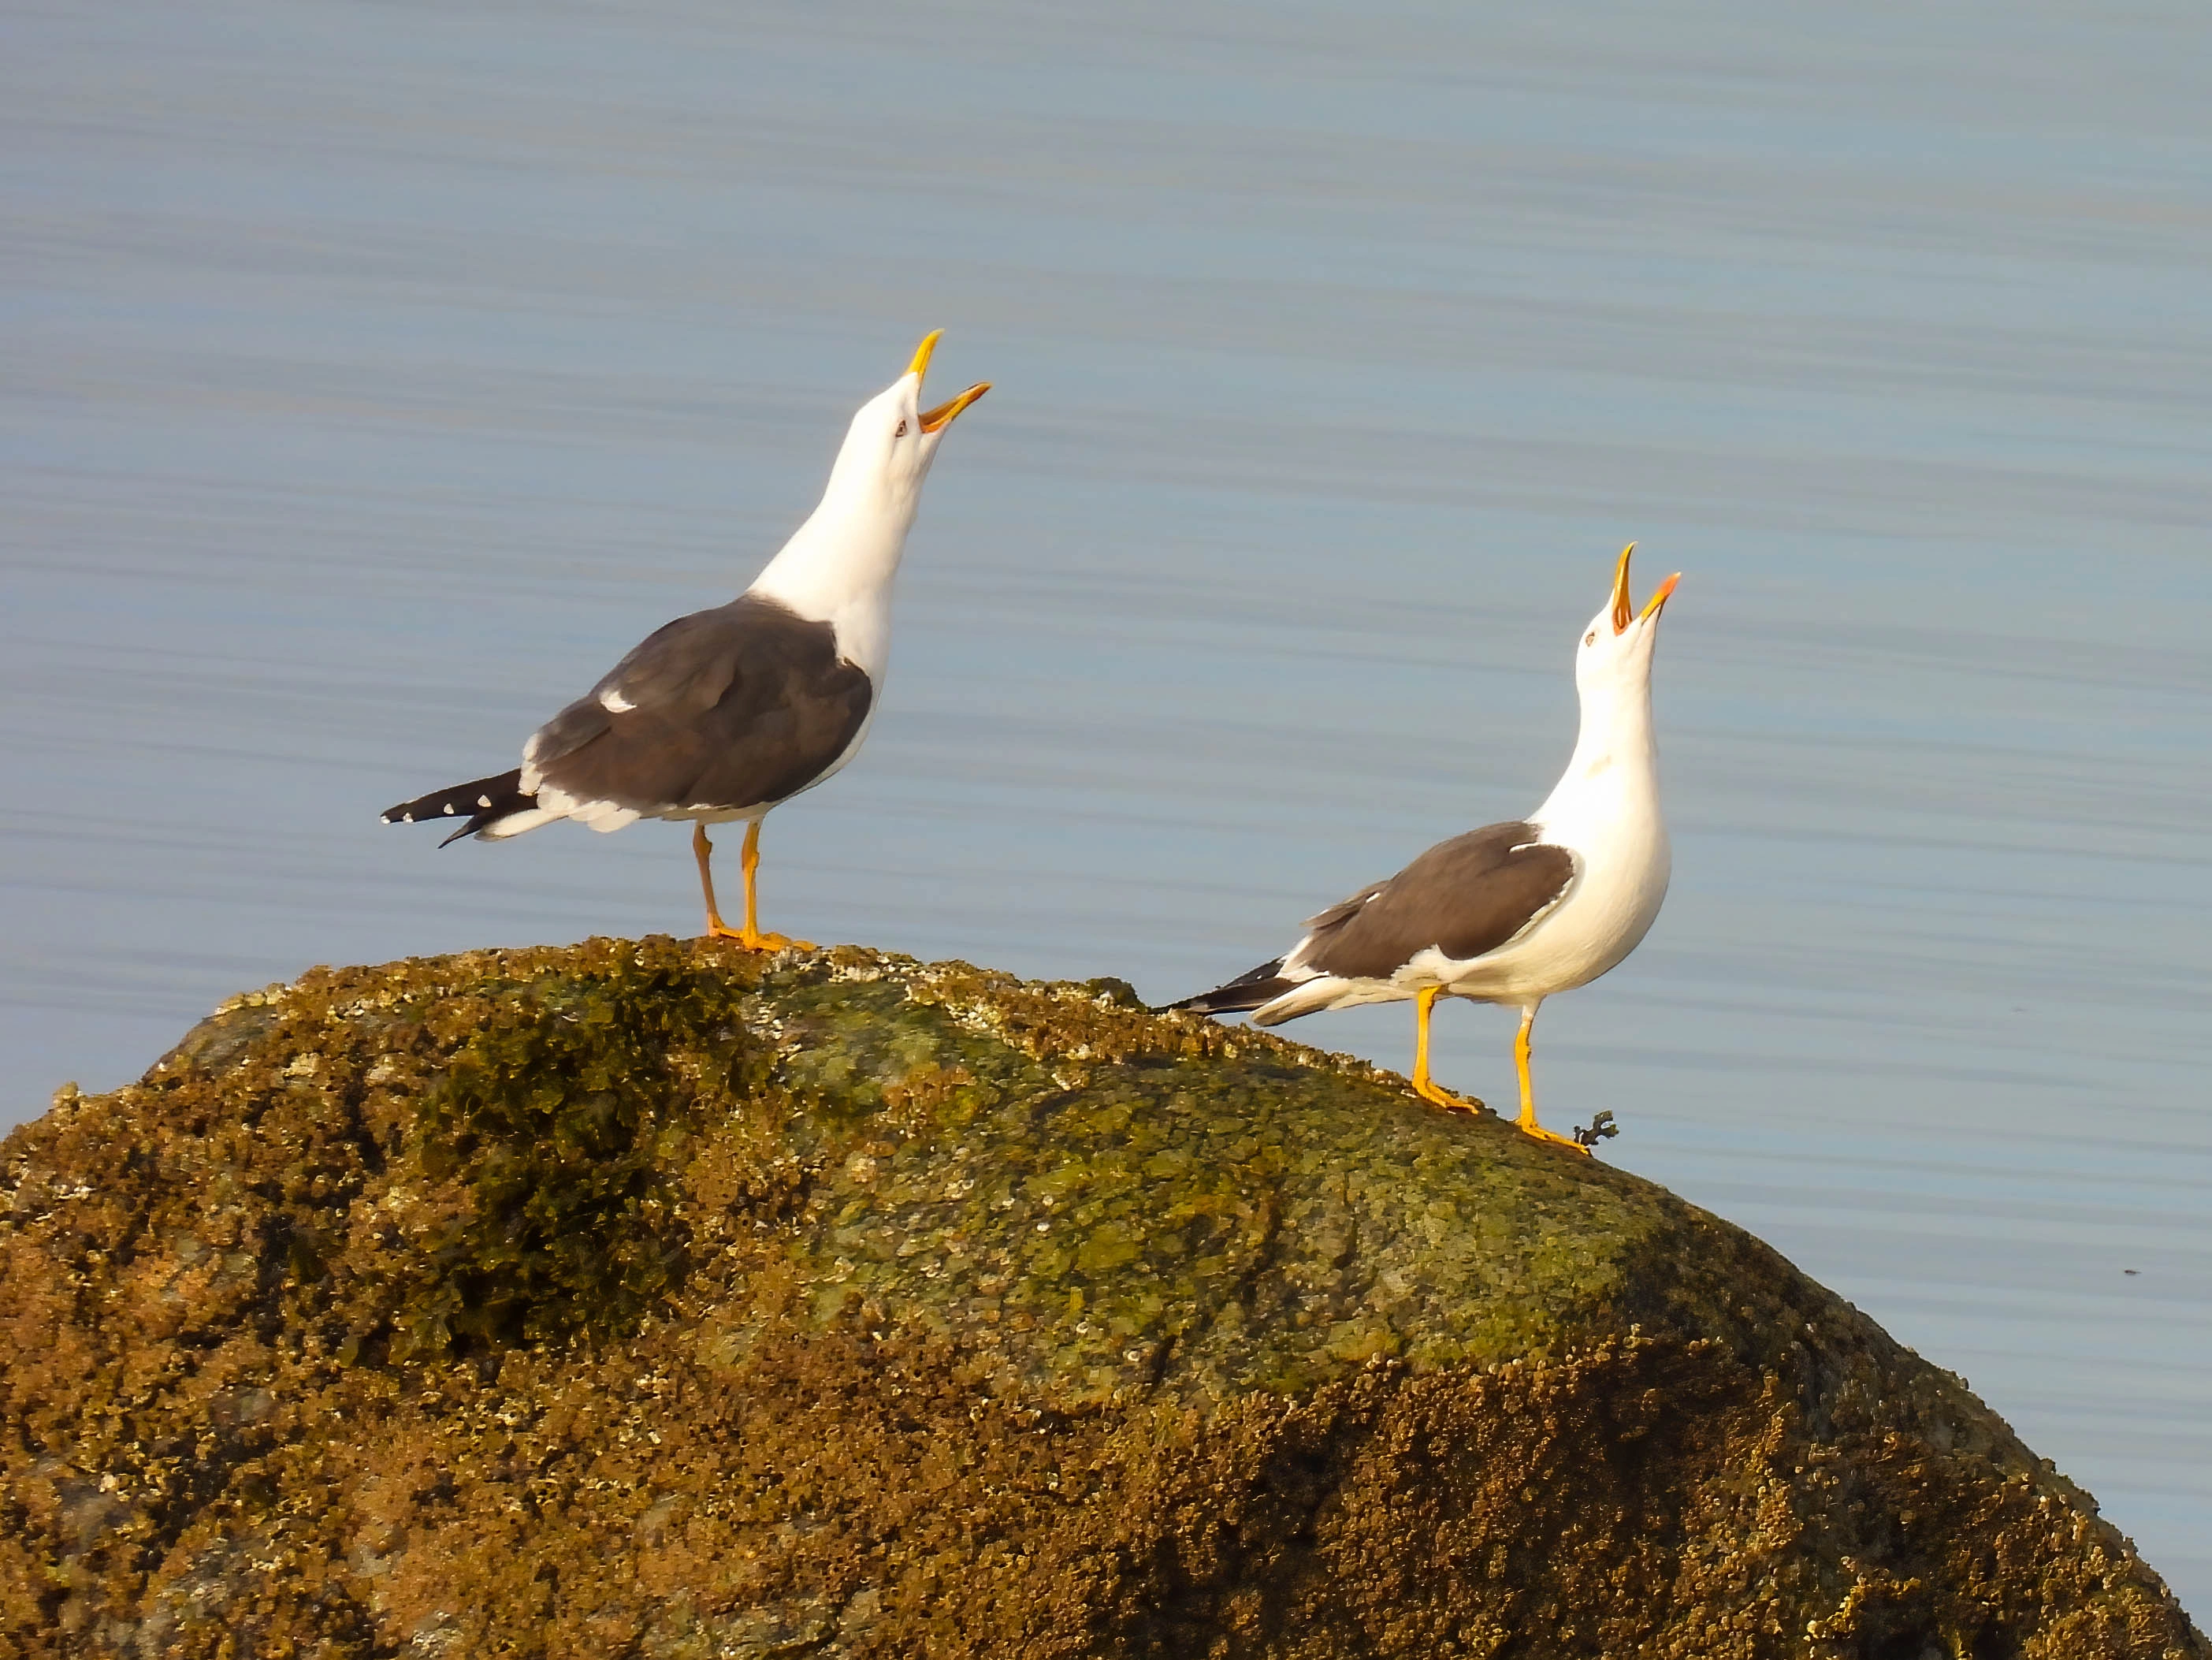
<point x="377" y="375"/>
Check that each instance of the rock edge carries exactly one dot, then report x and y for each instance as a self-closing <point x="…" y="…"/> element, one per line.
<point x="648" y="1297"/>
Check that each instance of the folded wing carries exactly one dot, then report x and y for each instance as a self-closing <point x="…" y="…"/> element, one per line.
<point x="724" y="710"/>
<point x="1461" y="899"/>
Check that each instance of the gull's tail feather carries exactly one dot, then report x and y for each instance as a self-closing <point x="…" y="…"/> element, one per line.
<point x="494" y="807"/>
<point x="1246" y="991"/>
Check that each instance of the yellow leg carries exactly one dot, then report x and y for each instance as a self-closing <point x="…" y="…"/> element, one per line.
<point x="749" y="936"/>
<point x="1424" y="1086"/>
<point x="1528" y="1123"/>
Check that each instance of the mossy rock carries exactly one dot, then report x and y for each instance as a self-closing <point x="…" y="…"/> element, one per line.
<point x="650" y="1298"/>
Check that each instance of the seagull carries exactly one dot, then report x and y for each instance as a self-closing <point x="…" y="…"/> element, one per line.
<point x="1511" y="913"/>
<point x="725" y="714"/>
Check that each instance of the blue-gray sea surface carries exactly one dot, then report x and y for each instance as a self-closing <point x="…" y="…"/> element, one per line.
<point x="371" y="376"/>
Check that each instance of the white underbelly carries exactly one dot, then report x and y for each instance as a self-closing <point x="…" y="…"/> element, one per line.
<point x="1605" y="916"/>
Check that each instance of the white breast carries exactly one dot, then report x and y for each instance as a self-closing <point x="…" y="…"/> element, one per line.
<point x="1622" y="864"/>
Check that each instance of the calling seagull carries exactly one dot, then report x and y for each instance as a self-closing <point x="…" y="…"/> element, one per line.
<point x="1511" y="913"/>
<point x="725" y="714"/>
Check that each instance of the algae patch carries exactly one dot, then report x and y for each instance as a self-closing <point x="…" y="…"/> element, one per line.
<point x="565" y="1119"/>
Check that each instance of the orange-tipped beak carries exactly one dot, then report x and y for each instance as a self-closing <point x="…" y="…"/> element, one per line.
<point x="1659" y="595"/>
<point x="1624" y="612"/>
<point x="933" y="420"/>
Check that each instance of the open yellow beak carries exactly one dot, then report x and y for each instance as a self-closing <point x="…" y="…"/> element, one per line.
<point x="934" y="420"/>
<point x="1623" y="612"/>
<point x="931" y="420"/>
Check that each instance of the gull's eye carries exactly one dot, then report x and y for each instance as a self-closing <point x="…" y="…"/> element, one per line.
<point x="901" y="433"/>
<point x="1591" y="639"/>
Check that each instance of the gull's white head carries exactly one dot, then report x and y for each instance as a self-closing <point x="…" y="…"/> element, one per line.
<point x="892" y="441"/>
<point x="1615" y="649"/>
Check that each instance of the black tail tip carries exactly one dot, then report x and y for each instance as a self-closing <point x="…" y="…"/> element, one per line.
<point x="480" y="802"/>
<point x="1226" y="1000"/>
<point x="1247" y="991"/>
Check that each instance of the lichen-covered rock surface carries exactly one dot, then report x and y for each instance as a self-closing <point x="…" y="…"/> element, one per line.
<point x="653" y="1299"/>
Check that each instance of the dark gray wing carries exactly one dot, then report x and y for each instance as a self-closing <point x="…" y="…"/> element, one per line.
<point x="1463" y="898"/>
<point x="1343" y="910"/>
<point x="736" y="707"/>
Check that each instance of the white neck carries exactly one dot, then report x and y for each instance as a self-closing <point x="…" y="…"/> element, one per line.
<point x="1613" y="774"/>
<point x="837" y="567"/>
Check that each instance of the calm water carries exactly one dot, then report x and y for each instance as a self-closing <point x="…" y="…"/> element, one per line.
<point x="371" y="376"/>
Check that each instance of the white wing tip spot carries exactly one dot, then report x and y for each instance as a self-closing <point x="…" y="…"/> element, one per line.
<point x="483" y="800"/>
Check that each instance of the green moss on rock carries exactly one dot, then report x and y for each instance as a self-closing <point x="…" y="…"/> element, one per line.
<point x="653" y="1298"/>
